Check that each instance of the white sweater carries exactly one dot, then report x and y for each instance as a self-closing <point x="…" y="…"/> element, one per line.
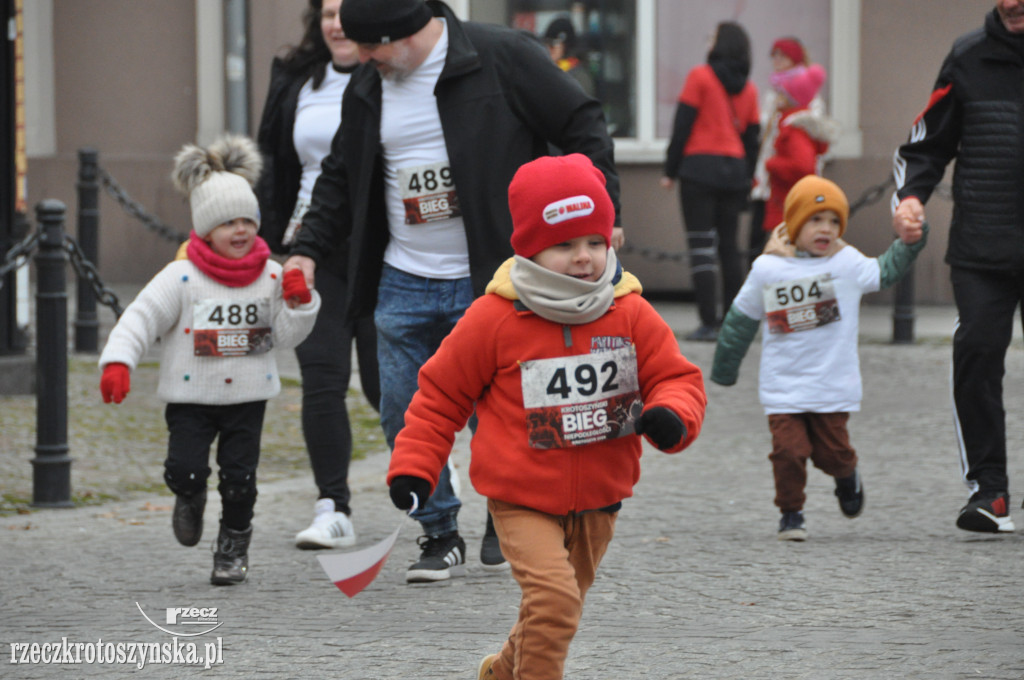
<point x="218" y="342"/>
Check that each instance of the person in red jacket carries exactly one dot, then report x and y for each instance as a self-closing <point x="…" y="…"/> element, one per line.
<point x="804" y="136"/>
<point x="565" y="363"/>
<point x="712" y="153"/>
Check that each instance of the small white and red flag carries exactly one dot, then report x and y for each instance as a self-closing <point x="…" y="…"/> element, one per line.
<point x="353" y="571"/>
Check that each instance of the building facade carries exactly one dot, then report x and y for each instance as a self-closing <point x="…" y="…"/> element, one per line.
<point x="136" y="79"/>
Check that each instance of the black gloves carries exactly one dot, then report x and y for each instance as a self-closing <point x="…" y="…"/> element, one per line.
<point x="663" y="427"/>
<point x="402" y="488"/>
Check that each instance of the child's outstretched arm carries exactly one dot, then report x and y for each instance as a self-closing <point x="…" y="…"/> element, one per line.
<point x="734" y="338"/>
<point x="895" y="261"/>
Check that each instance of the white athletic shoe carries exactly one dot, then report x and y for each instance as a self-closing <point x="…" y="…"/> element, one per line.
<point x="329" y="529"/>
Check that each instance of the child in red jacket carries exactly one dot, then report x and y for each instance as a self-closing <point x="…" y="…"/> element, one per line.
<point x="803" y="137"/>
<point x="564" y="363"/>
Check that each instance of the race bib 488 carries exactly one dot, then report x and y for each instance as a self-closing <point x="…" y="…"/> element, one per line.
<point x="231" y="328"/>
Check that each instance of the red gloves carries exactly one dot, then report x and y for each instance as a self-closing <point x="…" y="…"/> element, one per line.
<point x="293" y="285"/>
<point x="115" y="383"/>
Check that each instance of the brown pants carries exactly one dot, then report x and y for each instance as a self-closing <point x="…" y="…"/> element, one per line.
<point x="554" y="560"/>
<point x="822" y="437"/>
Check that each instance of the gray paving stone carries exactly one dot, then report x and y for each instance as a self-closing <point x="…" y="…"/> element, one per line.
<point x="695" y="584"/>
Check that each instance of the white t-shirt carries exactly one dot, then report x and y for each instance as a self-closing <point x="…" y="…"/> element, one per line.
<point x="811" y="311"/>
<point x="317" y="116"/>
<point x="427" y="234"/>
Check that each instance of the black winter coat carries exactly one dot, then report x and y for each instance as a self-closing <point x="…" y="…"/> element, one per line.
<point x="501" y="101"/>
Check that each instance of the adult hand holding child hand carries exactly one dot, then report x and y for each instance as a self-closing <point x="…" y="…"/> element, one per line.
<point x="294" y="288"/>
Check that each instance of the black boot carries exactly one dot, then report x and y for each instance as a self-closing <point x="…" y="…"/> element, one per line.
<point x="188" y="518"/>
<point x="231" y="559"/>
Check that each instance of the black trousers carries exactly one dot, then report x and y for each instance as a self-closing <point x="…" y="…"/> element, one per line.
<point x="325" y="360"/>
<point x="986" y="302"/>
<point x="237" y="428"/>
<point x="712" y="219"/>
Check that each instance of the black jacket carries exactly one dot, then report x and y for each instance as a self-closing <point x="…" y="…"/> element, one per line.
<point x="278" y="186"/>
<point x="975" y="114"/>
<point x="501" y="101"/>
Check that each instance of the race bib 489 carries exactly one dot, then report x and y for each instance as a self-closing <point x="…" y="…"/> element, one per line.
<point x="428" y="193"/>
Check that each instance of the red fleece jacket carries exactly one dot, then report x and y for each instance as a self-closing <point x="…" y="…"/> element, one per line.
<point x="479" y="363"/>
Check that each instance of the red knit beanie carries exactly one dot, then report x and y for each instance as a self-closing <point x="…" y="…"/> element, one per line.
<point x="557" y="198"/>
<point x="792" y="48"/>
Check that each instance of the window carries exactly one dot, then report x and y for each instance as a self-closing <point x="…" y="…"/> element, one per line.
<point x="637" y="53"/>
<point x="594" y="41"/>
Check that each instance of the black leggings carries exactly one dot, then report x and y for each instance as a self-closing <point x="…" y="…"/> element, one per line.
<point x="712" y="218"/>
<point x="237" y="429"/>
<point x="325" y="360"/>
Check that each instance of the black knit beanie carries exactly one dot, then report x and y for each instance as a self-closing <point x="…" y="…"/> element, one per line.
<point x="383" y="21"/>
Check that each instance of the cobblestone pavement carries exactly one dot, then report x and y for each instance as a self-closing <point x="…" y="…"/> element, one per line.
<point x="695" y="584"/>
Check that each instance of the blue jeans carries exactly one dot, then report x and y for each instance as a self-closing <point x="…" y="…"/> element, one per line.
<point x="413" y="316"/>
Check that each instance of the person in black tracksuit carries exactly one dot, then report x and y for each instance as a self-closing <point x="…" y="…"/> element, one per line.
<point x="974" y="115"/>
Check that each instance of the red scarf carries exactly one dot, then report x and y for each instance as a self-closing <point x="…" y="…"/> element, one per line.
<point x="232" y="273"/>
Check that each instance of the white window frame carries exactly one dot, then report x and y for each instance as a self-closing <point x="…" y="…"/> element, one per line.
<point x="844" y="104"/>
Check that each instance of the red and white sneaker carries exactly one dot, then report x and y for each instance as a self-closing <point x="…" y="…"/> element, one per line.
<point x="986" y="512"/>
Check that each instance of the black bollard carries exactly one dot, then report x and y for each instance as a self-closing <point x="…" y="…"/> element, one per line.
<point x="87" y="322"/>
<point x="903" y="310"/>
<point x="51" y="468"/>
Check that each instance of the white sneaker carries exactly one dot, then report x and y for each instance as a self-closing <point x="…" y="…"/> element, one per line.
<point x="329" y="529"/>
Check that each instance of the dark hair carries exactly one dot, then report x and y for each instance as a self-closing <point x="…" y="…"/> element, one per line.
<point x="731" y="44"/>
<point x="312" y="52"/>
<point x="561" y="30"/>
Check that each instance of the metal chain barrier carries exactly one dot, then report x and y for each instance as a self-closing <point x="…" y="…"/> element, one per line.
<point x="133" y="208"/>
<point x="870" y="195"/>
<point x="17" y="256"/>
<point x="87" y="270"/>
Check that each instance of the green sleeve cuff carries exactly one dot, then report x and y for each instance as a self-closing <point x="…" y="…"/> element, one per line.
<point x="894" y="262"/>
<point x="734" y="338"/>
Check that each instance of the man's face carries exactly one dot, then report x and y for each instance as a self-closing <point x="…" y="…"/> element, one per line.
<point x="1012" y="14"/>
<point x="393" y="60"/>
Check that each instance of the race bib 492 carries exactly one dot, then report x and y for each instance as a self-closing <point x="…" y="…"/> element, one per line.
<point x="581" y="399"/>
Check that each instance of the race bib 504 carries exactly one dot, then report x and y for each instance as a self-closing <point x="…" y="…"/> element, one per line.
<point x="801" y="304"/>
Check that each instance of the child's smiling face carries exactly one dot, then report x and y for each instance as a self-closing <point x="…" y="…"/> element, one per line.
<point x="583" y="257"/>
<point x="233" y="239"/>
<point x="819" y="232"/>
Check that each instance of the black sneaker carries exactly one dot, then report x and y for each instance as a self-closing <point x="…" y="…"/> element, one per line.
<point x="441" y="558"/>
<point x="791" y="527"/>
<point x="987" y="512"/>
<point x="188" y="518"/>
<point x="850" y="493"/>
<point x="490" y="549"/>
<point x="703" y="334"/>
